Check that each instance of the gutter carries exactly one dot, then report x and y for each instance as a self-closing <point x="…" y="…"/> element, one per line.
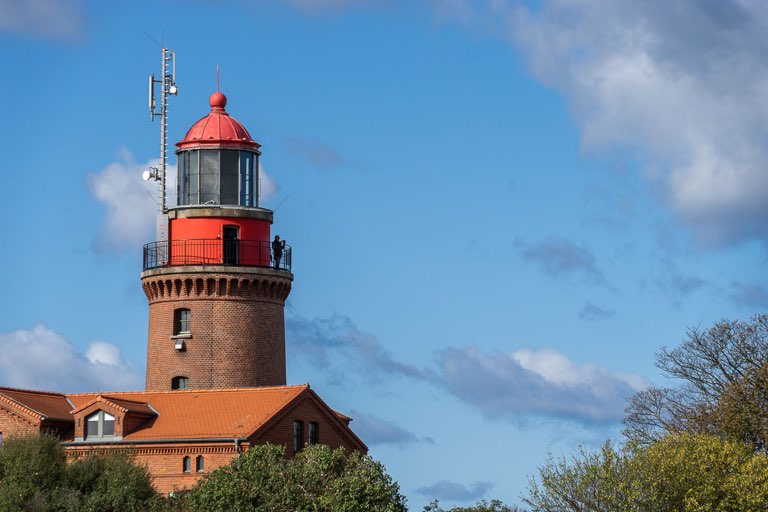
<point x="157" y="441"/>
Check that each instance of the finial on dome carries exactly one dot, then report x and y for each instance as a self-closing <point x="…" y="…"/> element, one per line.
<point x="218" y="101"/>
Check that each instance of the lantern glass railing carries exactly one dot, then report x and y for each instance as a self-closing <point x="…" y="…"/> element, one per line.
<point x="245" y="253"/>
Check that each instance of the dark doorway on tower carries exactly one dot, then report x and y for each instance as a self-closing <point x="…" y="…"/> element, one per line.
<point x="231" y="245"/>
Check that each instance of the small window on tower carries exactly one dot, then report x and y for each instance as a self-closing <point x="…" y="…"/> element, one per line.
<point x="186" y="465"/>
<point x="200" y="464"/>
<point x="1" y="439"/>
<point x="181" y="321"/>
<point x="314" y="432"/>
<point x="298" y="436"/>
<point x="180" y="383"/>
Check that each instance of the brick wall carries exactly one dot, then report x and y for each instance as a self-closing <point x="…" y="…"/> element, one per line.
<point x="12" y="424"/>
<point x="237" y="328"/>
<point x="307" y="410"/>
<point x="165" y="462"/>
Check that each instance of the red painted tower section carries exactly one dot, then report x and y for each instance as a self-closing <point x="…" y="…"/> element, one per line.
<point x="217" y="286"/>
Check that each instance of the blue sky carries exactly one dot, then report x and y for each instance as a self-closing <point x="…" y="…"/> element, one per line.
<point x="499" y="210"/>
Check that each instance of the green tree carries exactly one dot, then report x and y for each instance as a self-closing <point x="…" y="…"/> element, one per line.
<point x="700" y="473"/>
<point x="35" y="477"/>
<point x="317" y="479"/>
<point x="111" y="483"/>
<point x="32" y="469"/>
<point x="679" y="473"/>
<point x="480" y="506"/>
<point x="590" y="481"/>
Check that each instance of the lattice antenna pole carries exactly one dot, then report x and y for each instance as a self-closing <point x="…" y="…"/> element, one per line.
<point x="167" y="88"/>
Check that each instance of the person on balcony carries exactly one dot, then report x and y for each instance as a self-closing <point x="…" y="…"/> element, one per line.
<point x="277" y="250"/>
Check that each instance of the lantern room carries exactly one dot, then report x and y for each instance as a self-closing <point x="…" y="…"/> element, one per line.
<point x="217" y="219"/>
<point x="218" y="161"/>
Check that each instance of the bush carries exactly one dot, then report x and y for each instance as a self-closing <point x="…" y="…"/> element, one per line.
<point x="318" y="479"/>
<point x="34" y="477"/>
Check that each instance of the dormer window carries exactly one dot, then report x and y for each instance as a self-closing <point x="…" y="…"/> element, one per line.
<point x="99" y="424"/>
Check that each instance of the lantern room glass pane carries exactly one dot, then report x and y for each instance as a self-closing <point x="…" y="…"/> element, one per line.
<point x="256" y="180"/>
<point x="245" y="182"/>
<point x="209" y="176"/>
<point x="246" y="178"/>
<point x="182" y="179"/>
<point x="229" y="172"/>
<point x="192" y="177"/>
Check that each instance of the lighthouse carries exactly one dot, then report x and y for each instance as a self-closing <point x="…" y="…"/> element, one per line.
<point x="218" y="281"/>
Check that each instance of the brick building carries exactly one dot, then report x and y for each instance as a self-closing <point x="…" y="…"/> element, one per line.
<point x="216" y="283"/>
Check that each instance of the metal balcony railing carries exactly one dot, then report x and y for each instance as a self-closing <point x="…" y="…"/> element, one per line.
<point x="246" y="253"/>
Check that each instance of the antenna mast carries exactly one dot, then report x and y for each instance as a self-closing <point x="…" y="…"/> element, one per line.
<point x="167" y="88"/>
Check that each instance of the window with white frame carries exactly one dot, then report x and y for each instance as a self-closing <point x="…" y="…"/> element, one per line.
<point x="99" y="424"/>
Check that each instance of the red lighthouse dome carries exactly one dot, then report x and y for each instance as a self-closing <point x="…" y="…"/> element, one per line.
<point x="218" y="128"/>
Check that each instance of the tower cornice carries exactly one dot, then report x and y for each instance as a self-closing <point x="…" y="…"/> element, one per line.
<point x="194" y="212"/>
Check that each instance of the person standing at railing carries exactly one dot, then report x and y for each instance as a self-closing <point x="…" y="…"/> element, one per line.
<point x="277" y="250"/>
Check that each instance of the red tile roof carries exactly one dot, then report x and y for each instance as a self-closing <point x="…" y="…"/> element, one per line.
<point x="53" y="406"/>
<point x="202" y="414"/>
<point x="174" y="415"/>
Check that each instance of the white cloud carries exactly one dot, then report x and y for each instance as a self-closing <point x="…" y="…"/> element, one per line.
<point x="558" y="257"/>
<point x="131" y="203"/>
<point x="377" y="431"/>
<point x="508" y="385"/>
<point x="336" y="345"/>
<point x="447" y="490"/>
<point x="103" y="352"/>
<point x="593" y="312"/>
<point x="315" y="152"/>
<point x="542" y="383"/>
<point x="268" y="186"/>
<point x="680" y="85"/>
<point x="326" y="6"/>
<point x="40" y="358"/>
<point x="58" y="19"/>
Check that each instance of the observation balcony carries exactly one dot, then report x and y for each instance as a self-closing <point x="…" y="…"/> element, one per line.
<point x="244" y="253"/>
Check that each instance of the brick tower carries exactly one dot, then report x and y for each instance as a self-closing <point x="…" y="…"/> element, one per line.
<point x="217" y="283"/>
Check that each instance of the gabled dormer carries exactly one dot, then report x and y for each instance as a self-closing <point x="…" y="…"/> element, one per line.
<point x="106" y="419"/>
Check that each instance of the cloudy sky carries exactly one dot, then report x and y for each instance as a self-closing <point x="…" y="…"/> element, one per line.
<point x="499" y="209"/>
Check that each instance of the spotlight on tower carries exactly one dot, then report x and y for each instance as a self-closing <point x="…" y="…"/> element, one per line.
<point x="153" y="172"/>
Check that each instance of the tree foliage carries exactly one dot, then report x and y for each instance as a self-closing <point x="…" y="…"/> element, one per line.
<point x="589" y="481"/>
<point x="700" y="446"/>
<point x="679" y="473"/>
<point x="723" y="389"/>
<point x="317" y="479"/>
<point x="480" y="506"/>
<point x="35" y="477"/>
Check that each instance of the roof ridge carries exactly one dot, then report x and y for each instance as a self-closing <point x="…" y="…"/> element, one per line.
<point x="33" y="391"/>
<point x="110" y="397"/>
<point x="188" y="391"/>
